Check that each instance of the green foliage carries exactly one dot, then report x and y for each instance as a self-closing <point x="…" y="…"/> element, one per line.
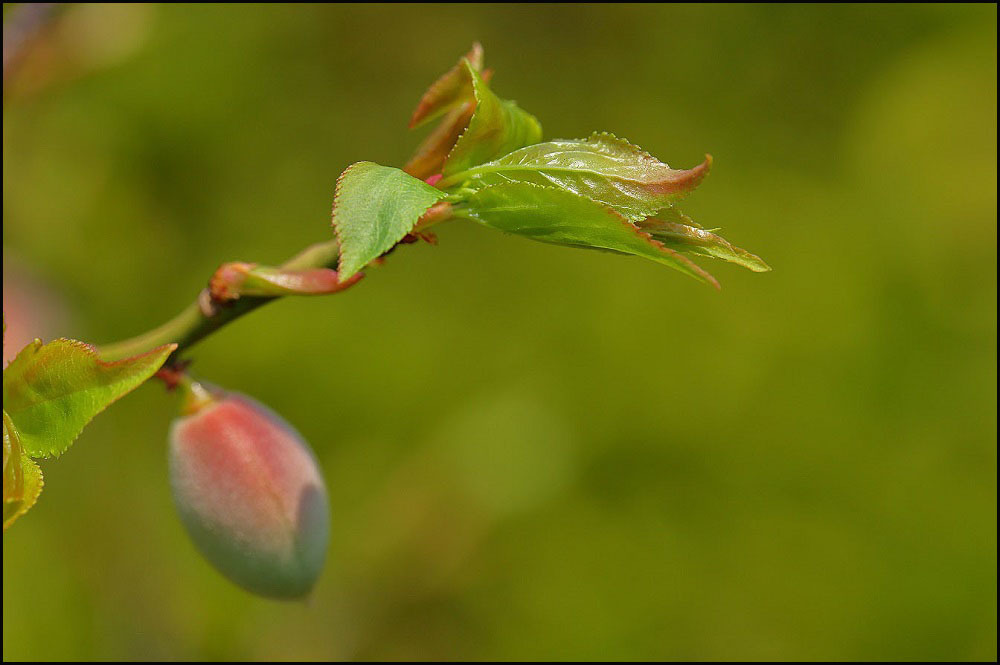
<point x="678" y="231"/>
<point x="22" y="479"/>
<point x="561" y="217"/>
<point x="497" y="127"/>
<point x="51" y="391"/>
<point x="544" y="453"/>
<point x="597" y="193"/>
<point x="601" y="192"/>
<point x="453" y="97"/>
<point x="373" y="208"/>
<point x="602" y="167"/>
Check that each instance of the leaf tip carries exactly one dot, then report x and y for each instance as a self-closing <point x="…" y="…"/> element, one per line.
<point x="442" y="93"/>
<point x="695" y="175"/>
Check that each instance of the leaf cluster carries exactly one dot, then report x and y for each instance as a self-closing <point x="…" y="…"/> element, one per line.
<point x="487" y="163"/>
<point x="50" y="392"/>
<point x="484" y="162"/>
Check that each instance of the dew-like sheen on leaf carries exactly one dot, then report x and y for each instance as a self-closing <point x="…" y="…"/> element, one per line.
<point x="51" y="391"/>
<point x="557" y="216"/>
<point x="374" y="207"/>
<point x="602" y="167"/>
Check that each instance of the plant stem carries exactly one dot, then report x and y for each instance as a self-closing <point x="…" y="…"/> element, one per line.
<point x="197" y="321"/>
<point x="194" y="323"/>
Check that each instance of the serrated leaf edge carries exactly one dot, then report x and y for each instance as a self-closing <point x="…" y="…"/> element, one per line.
<point x="91" y="351"/>
<point x="343" y="278"/>
<point x="333" y="213"/>
<point x="750" y="260"/>
<point x="421" y="114"/>
<point x="475" y="92"/>
<point x="698" y="270"/>
<point x="681" y="183"/>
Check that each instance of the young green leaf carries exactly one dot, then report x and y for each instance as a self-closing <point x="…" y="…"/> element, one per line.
<point x="497" y="127"/>
<point x="22" y="479"/>
<point x="452" y="89"/>
<point x="452" y="97"/>
<point x="51" y="391"/>
<point x="553" y="215"/>
<point x="677" y="231"/>
<point x="373" y="208"/>
<point x="602" y="167"/>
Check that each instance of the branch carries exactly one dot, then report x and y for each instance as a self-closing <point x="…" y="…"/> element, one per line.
<point x="203" y="317"/>
<point x="208" y="313"/>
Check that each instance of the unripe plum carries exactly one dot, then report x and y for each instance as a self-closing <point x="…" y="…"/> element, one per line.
<point x="249" y="493"/>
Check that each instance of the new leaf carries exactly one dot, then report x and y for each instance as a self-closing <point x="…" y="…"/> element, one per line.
<point x="451" y="90"/>
<point x="374" y="207"/>
<point x="602" y="167"/>
<point x="677" y="231"/>
<point x="561" y="217"/>
<point x="51" y="391"/>
<point x="430" y="155"/>
<point x="497" y="127"/>
<point x="451" y="96"/>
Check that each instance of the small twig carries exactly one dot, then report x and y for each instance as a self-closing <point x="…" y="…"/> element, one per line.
<point x="206" y="314"/>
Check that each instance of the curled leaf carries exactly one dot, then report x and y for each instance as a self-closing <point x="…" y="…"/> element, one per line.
<point x="497" y="127"/>
<point x="561" y="217"/>
<point x="431" y="153"/>
<point x="51" y="391"/>
<point x="236" y="279"/>
<point x="452" y="89"/>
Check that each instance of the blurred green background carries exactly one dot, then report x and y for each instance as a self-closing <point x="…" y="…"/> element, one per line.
<point x="532" y="452"/>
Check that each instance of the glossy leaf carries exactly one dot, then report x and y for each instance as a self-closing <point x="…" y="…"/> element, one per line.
<point x="496" y="128"/>
<point x="602" y="167"/>
<point x="557" y="216"/>
<point x="374" y="207"/>
<point x="677" y="231"/>
<point x="452" y="89"/>
<point x="51" y="391"/>
<point x="22" y="479"/>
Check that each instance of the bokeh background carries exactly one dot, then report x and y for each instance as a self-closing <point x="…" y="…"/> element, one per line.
<point x="532" y="452"/>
